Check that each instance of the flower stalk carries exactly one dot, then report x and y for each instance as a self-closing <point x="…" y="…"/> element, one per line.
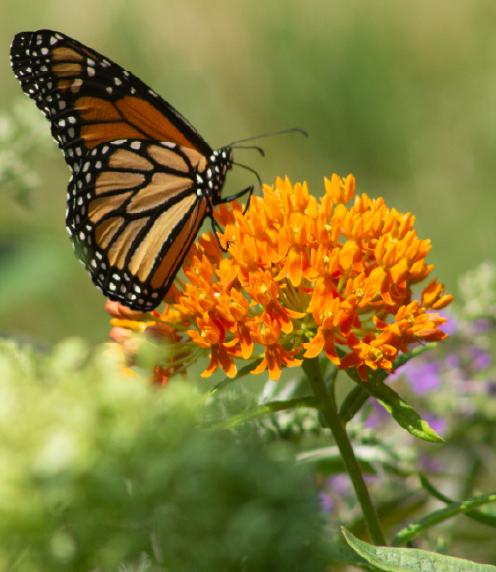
<point x="328" y="407"/>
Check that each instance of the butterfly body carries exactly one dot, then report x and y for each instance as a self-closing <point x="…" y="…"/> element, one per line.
<point x="143" y="179"/>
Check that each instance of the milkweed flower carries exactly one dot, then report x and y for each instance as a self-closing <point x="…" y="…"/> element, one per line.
<point x="303" y="276"/>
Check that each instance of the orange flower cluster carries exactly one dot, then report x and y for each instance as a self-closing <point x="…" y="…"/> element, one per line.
<point x="304" y="276"/>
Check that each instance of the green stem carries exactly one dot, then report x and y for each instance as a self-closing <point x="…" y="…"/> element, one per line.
<point x="327" y="405"/>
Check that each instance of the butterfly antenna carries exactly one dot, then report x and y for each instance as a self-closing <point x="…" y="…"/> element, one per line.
<point x="251" y="171"/>
<point x="256" y="147"/>
<point x="272" y="134"/>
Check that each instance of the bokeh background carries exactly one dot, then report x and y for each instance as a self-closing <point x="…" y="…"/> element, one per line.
<point x="400" y="94"/>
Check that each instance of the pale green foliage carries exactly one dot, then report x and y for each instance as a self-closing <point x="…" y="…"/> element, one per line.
<point x="103" y="472"/>
<point x="478" y="289"/>
<point x="22" y="130"/>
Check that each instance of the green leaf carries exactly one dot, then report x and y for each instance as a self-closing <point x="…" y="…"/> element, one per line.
<point x="478" y="515"/>
<point x="411" y="559"/>
<point x="329" y="459"/>
<point x="339" y="552"/>
<point x="353" y="403"/>
<point x="265" y="409"/>
<point x="453" y="509"/>
<point x="395" y="405"/>
<point x="402" y="412"/>
<point x="241" y="373"/>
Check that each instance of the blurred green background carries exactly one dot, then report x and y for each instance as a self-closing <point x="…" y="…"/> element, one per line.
<point x="400" y="94"/>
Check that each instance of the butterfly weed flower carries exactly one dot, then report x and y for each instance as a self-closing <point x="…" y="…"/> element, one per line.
<point x="130" y="348"/>
<point x="303" y="276"/>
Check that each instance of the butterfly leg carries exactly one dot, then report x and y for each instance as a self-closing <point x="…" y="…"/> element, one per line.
<point x="237" y="195"/>
<point x="216" y="228"/>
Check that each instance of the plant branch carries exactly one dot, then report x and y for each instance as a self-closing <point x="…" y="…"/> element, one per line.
<point x="327" y="405"/>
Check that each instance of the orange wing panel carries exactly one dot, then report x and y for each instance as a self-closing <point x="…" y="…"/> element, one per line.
<point x="106" y="230"/>
<point x="98" y="208"/>
<point x="150" y="120"/>
<point x="161" y="188"/>
<point x="109" y="181"/>
<point x="96" y="109"/>
<point x="61" y="54"/>
<point x="145" y="255"/>
<point x="119" y="250"/>
<point x="181" y="244"/>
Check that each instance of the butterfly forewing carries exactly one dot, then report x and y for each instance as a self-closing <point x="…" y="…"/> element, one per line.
<point x="89" y="99"/>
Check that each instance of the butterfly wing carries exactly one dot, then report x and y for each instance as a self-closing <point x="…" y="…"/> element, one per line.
<point x="134" y="207"/>
<point x="90" y="100"/>
<point x="133" y="212"/>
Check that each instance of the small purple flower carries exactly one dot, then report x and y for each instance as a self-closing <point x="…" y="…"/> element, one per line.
<point x="481" y="359"/>
<point x="340" y="484"/>
<point x="452" y="361"/>
<point x="481" y="326"/>
<point x="429" y="464"/>
<point x="326" y="502"/>
<point x="451" y="326"/>
<point x="423" y="376"/>
<point x="437" y="423"/>
<point x="376" y="416"/>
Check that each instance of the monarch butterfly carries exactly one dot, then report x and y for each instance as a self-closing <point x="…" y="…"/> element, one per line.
<point x="143" y="179"/>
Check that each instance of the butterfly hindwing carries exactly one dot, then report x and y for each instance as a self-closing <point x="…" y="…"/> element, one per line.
<point x="90" y="100"/>
<point x="133" y="212"/>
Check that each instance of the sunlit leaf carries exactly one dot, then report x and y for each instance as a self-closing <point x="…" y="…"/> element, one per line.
<point x="411" y="559"/>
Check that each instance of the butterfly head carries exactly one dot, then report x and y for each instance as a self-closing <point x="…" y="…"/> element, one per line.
<point x="219" y="162"/>
<point x="223" y="158"/>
